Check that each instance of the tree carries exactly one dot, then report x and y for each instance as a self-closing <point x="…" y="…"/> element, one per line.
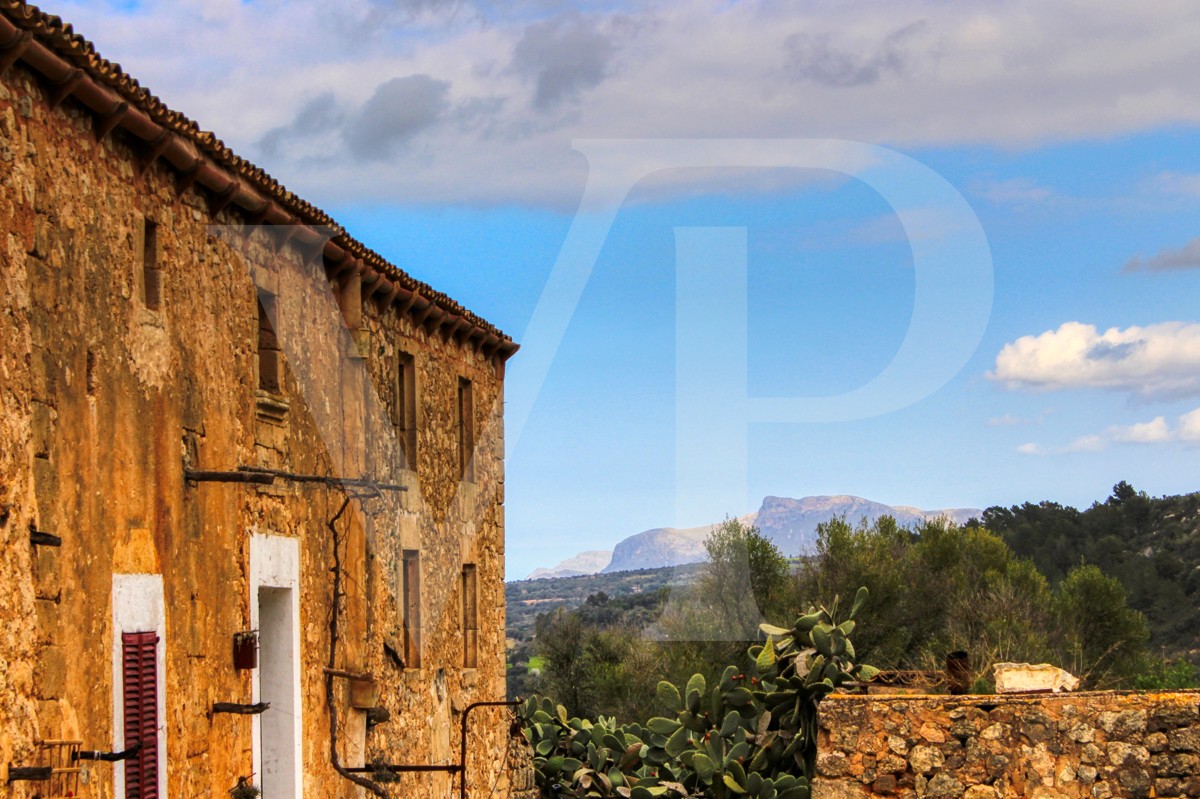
<point x="1102" y="637"/>
<point x="872" y="556"/>
<point x="744" y="578"/>
<point x="942" y="588"/>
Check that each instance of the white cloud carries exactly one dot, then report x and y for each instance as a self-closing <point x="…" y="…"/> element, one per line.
<point x="1189" y="427"/>
<point x="1185" y="257"/>
<point x="523" y="79"/>
<point x="1152" y="432"/>
<point x="1012" y="420"/>
<point x="1160" y="360"/>
<point x="1005" y="420"/>
<point x="1178" y="183"/>
<point x="1088" y="443"/>
<point x="1155" y="431"/>
<point x="1018" y="192"/>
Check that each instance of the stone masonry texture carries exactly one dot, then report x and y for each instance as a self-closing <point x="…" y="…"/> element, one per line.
<point x="1092" y="745"/>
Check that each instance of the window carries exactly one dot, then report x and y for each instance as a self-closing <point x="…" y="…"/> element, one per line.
<point x="268" y="348"/>
<point x="411" y="607"/>
<point x="470" y="617"/>
<point x="139" y="666"/>
<point x="464" y="423"/>
<point x="151" y="273"/>
<point x="404" y="410"/>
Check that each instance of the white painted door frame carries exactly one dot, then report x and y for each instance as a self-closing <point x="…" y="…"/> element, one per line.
<point x="275" y="564"/>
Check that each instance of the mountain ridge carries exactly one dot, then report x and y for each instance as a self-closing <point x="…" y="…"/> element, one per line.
<point x="791" y="524"/>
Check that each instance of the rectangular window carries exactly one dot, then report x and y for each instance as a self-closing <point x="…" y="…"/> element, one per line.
<point x="151" y="273"/>
<point x="411" y="607"/>
<point x="268" y="348"/>
<point x="464" y="423"/>
<point x="90" y="375"/>
<point x="404" y="411"/>
<point x="470" y="617"/>
<point x="139" y="664"/>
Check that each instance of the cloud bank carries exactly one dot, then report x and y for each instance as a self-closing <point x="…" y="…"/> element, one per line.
<point x="1155" y="431"/>
<point x="1151" y="362"/>
<point x="476" y="102"/>
<point x="1185" y="257"/>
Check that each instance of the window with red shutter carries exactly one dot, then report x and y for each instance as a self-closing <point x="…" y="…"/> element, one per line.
<point x="470" y="616"/>
<point x="411" y="608"/>
<point x="139" y="659"/>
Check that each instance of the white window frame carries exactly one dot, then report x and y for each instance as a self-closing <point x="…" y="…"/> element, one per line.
<point x="137" y="606"/>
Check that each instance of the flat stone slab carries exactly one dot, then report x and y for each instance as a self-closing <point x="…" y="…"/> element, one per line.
<point x="1018" y="678"/>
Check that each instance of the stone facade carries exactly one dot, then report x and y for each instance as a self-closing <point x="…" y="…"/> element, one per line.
<point x="133" y="387"/>
<point x="1064" y="746"/>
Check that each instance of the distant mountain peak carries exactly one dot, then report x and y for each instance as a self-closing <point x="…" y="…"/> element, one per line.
<point x="790" y="523"/>
<point x="590" y="562"/>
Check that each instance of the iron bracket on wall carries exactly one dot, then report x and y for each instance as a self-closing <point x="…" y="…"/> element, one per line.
<point x="43" y="539"/>
<point x="260" y="475"/>
<point x="108" y="757"/>
<point x="29" y="773"/>
<point x="239" y="708"/>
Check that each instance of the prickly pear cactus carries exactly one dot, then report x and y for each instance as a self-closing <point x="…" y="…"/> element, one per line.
<point x="797" y="668"/>
<point x="750" y="735"/>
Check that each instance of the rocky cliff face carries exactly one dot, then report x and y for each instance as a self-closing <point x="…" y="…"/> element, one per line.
<point x="662" y="546"/>
<point x="584" y="563"/>
<point x="790" y="523"/>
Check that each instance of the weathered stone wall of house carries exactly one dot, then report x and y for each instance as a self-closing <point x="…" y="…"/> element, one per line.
<point x="1095" y="745"/>
<point x="17" y="706"/>
<point x="103" y="401"/>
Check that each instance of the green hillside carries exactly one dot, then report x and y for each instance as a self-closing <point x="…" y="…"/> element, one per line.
<point x="1150" y="544"/>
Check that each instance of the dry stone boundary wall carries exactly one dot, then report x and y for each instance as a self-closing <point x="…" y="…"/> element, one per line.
<point x="1069" y="746"/>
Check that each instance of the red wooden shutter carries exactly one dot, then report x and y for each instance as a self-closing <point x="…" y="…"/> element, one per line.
<point x="139" y="660"/>
<point x="470" y="617"/>
<point x="412" y="608"/>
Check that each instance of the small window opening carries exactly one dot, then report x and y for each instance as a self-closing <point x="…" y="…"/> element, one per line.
<point x="404" y="410"/>
<point x="151" y="272"/>
<point x="465" y="430"/>
<point x="470" y="617"/>
<point x="268" y="349"/>
<point x="90" y="378"/>
<point x="411" y="607"/>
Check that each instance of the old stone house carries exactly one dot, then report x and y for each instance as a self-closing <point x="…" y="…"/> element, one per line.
<point x="251" y="474"/>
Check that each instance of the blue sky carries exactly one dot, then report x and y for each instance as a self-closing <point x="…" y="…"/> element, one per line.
<point x="440" y="133"/>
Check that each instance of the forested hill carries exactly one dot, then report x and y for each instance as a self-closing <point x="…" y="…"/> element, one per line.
<point x="527" y="599"/>
<point x="1152" y="545"/>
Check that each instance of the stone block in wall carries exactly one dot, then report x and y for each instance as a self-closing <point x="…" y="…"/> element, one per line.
<point x="42" y="428"/>
<point x="46" y="579"/>
<point x="1123" y="726"/>
<point x="50" y="678"/>
<point x="49" y="718"/>
<point x="839" y="790"/>
<point x="1184" y="740"/>
<point x="1170" y="717"/>
<point x="45" y="371"/>
<point x="48" y="612"/>
<point x="271" y="435"/>
<point x="42" y="231"/>
<point x="45" y="486"/>
<point x="43" y="279"/>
